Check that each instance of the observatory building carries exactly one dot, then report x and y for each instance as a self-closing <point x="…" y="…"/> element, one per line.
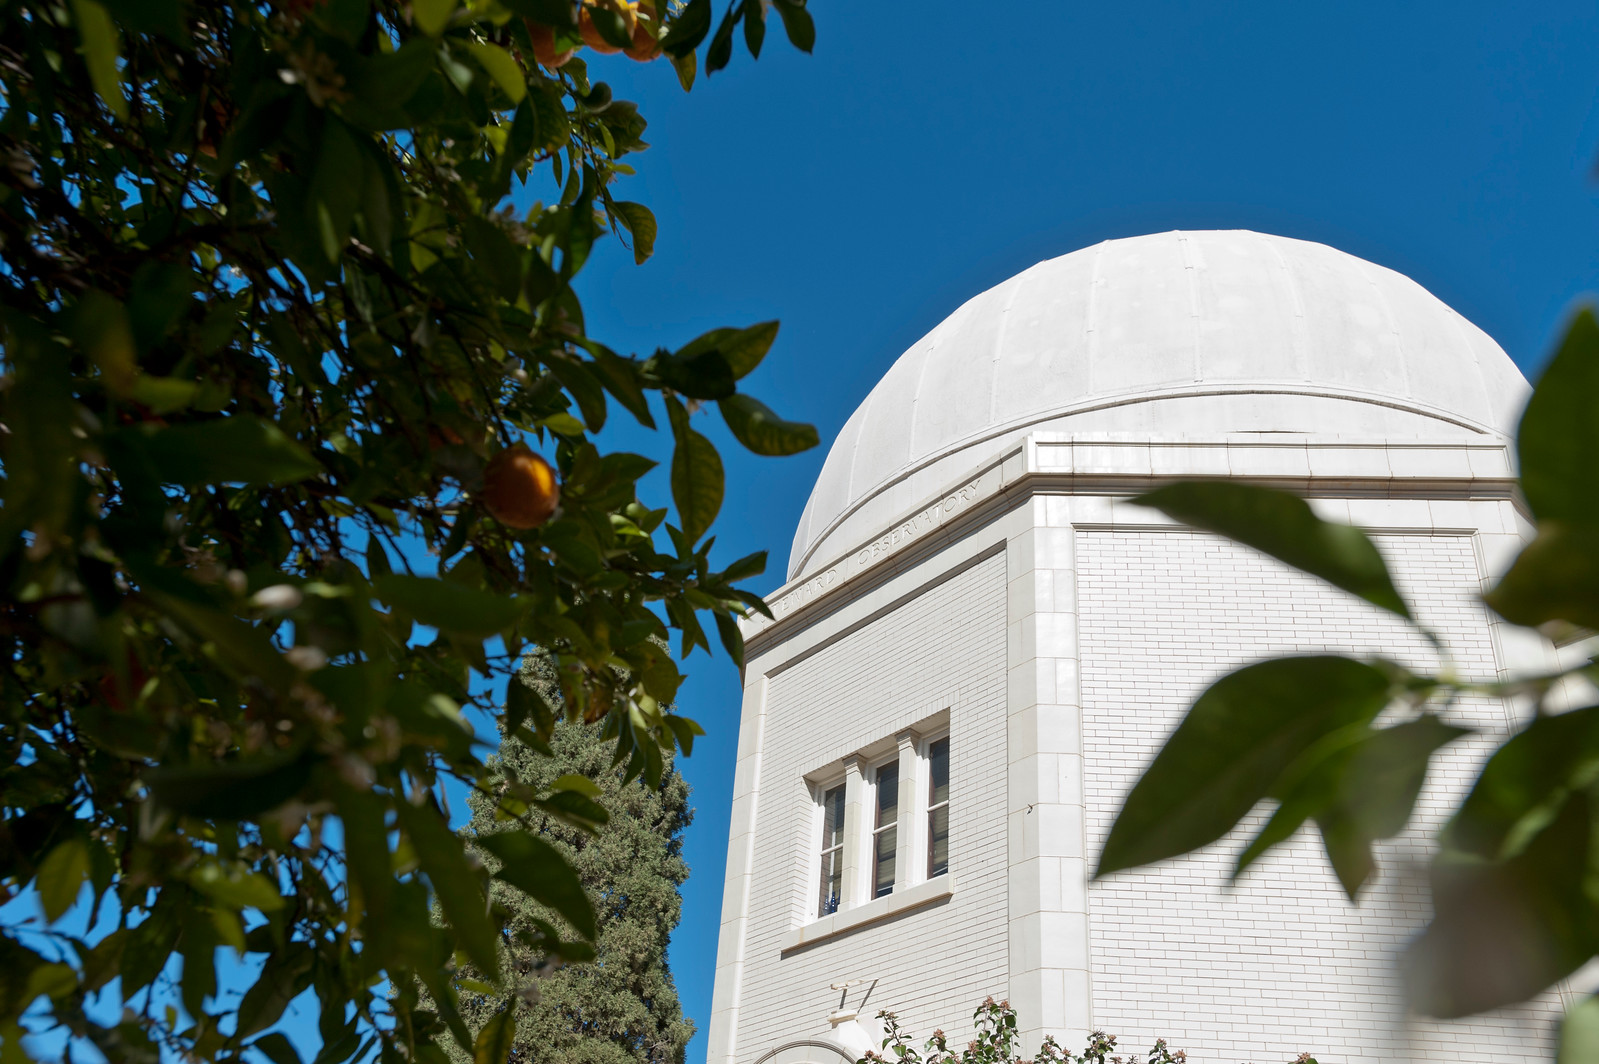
<point x="981" y="643"/>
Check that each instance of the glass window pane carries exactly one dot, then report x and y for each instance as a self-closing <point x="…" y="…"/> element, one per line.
<point x="938" y="771"/>
<point x="832" y="879"/>
<point x="883" y="873"/>
<point x="938" y="841"/>
<point x="888" y="794"/>
<point x="832" y="818"/>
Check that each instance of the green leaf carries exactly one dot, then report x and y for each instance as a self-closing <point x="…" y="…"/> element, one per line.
<point x="277" y="1048"/>
<point x="1283" y="526"/>
<point x="685" y="66"/>
<point x="1505" y="931"/>
<point x="721" y="49"/>
<point x="1555" y="578"/>
<point x="283" y="977"/>
<point x="448" y="605"/>
<point x="576" y="781"/>
<point x="1359" y="785"/>
<point x="505" y="71"/>
<point x="336" y="186"/>
<point x="377" y="559"/>
<point x="746" y="567"/>
<point x="685" y="730"/>
<point x="536" y="867"/>
<point x="54" y="980"/>
<point x="557" y="13"/>
<point x="523" y="702"/>
<point x="454" y="883"/>
<point x="160" y="294"/>
<point x="432" y="15"/>
<point x="742" y="349"/>
<point x="61" y="877"/>
<point x="732" y="638"/>
<point x="366" y="846"/>
<point x="611" y="26"/>
<point x="1557" y="443"/>
<point x="388" y="80"/>
<point x="497" y="1038"/>
<point x="39" y="486"/>
<point x="500" y="258"/>
<point x="697" y="482"/>
<point x="198" y="948"/>
<point x="164" y="395"/>
<point x="681" y="35"/>
<point x="640" y="221"/>
<point x="574" y="809"/>
<point x="151" y="16"/>
<point x="1579" y="1033"/>
<point x="703" y="375"/>
<point x="755" y="426"/>
<point x="237" y="449"/>
<point x="754" y="26"/>
<point x="621" y="377"/>
<point x="1525" y="783"/>
<point x="100" y="53"/>
<point x="230" y="790"/>
<point x="243" y="648"/>
<point x="236" y="886"/>
<point x="563" y="424"/>
<point x="797" y="23"/>
<point x="150" y="944"/>
<point x="1232" y="747"/>
<point x="583" y="384"/>
<point x="101" y="328"/>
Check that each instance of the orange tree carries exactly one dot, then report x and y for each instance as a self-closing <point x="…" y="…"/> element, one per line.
<point x="267" y="320"/>
<point x="1515" y="878"/>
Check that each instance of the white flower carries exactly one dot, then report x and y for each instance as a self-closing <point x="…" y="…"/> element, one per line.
<point x="278" y="597"/>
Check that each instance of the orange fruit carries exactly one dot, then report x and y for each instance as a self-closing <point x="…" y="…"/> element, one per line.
<point x="644" y="47"/>
<point x="544" y="45"/>
<point x="591" y="33"/>
<point x="519" y="488"/>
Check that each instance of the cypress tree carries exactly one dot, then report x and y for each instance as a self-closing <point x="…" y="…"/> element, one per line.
<point x="623" y="1007"/>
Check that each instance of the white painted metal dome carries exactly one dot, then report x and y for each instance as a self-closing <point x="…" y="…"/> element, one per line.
<point x="1171" y="336"/>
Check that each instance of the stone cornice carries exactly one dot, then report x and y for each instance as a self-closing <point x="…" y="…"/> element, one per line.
<point x="1048" y="463"/>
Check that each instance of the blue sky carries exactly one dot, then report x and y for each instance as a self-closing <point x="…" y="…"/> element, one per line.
<point x="926" y="152"/>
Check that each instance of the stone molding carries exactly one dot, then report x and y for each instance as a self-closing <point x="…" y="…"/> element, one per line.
<point x="1136" y="397"/>
<point x="803" y="1051"/>
<point x="1056" y="462"/>
<point x="927" y="892"/>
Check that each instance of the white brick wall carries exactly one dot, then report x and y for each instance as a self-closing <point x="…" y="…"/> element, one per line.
<point x="1281" y="962"/>
<point x="945" y="649"/>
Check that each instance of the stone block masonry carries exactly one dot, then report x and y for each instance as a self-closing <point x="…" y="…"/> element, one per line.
<point x="943" y="650"/>
<point x="1281" y="962"/>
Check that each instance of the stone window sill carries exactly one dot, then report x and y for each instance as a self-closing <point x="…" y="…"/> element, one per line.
<point x="878" y="909"/>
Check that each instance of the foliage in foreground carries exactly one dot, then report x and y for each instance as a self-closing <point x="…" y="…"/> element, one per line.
<point x="266" y="318"/>
<point x="996" y="1042"/>
<point x="623" y="1007"/>
<point x="1515" y="878"/>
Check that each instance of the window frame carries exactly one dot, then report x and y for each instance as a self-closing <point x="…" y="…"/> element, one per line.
<point x="878" y="829"/>
<point x="927" y="805"/>
<point x="818" y="837"/>
<point x="906" y="753"/>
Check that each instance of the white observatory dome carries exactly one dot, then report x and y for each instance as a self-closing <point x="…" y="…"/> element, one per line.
<point x="1174" y="336"/>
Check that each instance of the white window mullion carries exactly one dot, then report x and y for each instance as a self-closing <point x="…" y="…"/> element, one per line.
<point x="856" y="834"/>
<point x="908" y="869"/>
